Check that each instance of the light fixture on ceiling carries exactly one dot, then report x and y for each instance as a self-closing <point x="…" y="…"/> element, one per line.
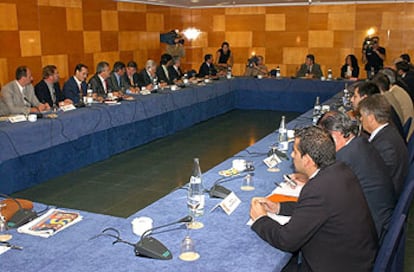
<point x="191" y="33"/>
<point x="371" y="31"/>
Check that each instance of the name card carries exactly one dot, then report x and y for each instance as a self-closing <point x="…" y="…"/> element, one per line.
<point x="17" y="118"/>
<point x="272" y="161"/>
<point x="229" y="204"/>
<point x="68" y="107"/>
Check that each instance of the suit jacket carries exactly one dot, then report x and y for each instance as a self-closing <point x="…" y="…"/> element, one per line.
<point x="206" y="70"/>
<point x="406" y="104"/>
<point x="97" y="86"/>
<point x="162" y="76"/>
<point x="43" y="94"/>
<point x="135" y="79"/>
<point x="331" y="224"/>
<point x="394" y="153"/>
<point x="144" y="79"/>
<point x="174" y="74"/>
<point x="71" y="90"/>
<point x="14" y="101"/>
<point x="316" y="71"/>
<point x="113" y="84"/>
<point x="367" y="164"/>
<point x="409" y="81"/>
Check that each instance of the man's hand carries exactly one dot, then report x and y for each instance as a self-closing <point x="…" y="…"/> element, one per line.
<point x="299" y="178"/>
<point x="260" y="206"/>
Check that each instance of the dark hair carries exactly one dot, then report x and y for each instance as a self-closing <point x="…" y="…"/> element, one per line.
<point x="207" y="57"/>
<point x="376" y="105"/>
<point x="165" y="58"/>
<point x="101" y="66"/>
<point x="132" y="64"/>
<point x="368" y="89"/>
<point x="382" y="82"/>
<point x="119" y="65"/>
<point x="338" y="121"/>
<point x="403" y="66"/>
<point x="354" y="61"/>
<point x="311" y="57"/>
<point x="21" y="71"/>
<point x="79" y="67"/>
<point x="318" y="144"/>
<point x="48" y="71"/>
<point x="406" y="57"/>
<point x="225" y="43"/>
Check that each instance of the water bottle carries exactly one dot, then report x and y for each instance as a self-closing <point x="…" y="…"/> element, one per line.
<point x="316" y="111"/>
<point x="89" y="95"/>
<point x="329" y="74"/>
<point x="196" y="189"/>
<point x="229" y="72"/>
<point x="345" y="96"/>
<point x="283" y="139"/>
<point x="155" y="83"/>
<point x="278" y="72"/>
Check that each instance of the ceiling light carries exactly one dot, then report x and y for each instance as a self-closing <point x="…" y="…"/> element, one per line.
<point x="191" y="33"/>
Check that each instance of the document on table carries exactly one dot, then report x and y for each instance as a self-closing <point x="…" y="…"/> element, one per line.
<point x="281" y="219"/>
<point x="3" y="249"/>
<point x="285" y="189"/>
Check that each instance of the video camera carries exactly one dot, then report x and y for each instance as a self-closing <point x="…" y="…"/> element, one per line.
<point x="368" y="43"/>
<point x="253" y="60"/>
<point x="172" y="37"/>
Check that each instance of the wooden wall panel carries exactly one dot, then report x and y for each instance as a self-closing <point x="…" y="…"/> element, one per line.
<point x="60" y="61"/>
<point x="8" y="17"/>
<point x="275" y="22"/>
<point x="74" y="19"/>
<point x="30" y="43"/>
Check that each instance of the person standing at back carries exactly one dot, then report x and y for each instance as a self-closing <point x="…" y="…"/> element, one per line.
<point x="224" y="58"/>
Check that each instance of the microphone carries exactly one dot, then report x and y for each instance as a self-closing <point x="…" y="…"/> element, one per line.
<point x="28" y="101"/>
<point x="150" y="247"/>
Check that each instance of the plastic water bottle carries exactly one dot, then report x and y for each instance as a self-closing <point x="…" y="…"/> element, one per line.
<point x="329" y="74"/>
<point x="155" y="83"/>
<point x="345" y="96"/>
<point x="229" y="72"/>
<point x="283" y="139"/>
<point x="316" y="111"/>
<point x="196" y="189"/>
<point x="89" y="95"/>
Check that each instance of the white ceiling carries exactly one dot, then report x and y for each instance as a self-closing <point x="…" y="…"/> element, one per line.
<point x="243" y="3"/>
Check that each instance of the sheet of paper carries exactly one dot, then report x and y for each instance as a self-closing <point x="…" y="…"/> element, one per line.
<point x="281" y="219"/>
<point x="286" y="189"/>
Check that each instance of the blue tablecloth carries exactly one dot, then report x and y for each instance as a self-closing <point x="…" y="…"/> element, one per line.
<point x="225" y="243"/>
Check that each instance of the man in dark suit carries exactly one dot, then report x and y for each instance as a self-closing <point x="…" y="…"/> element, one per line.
<point x="162" y="70"/>
<point x="207" y="69"/>
<point x="175" y="69"/>
<point x="116" y="81"/>
<point x="131" y="75"/>
<point x="366" y="163"/>
<point x="48" y="89"/>
<point x="99" y="82"/>
<point x="375" y="115"/>
<point x="407" y="75"/>
<point x="75" y="87"/>
<point x="148" y="75"/>
<point x="330" y="224"/>
<point x="18" y="96"/>
<point x="310" y="69"/>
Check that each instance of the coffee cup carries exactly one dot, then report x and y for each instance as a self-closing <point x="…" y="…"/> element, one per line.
<point x="32" y="118"/>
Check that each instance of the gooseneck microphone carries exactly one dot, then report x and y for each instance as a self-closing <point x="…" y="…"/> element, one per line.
<point x="150" y="247"/>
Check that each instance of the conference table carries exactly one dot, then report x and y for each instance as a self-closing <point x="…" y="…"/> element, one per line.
<point x="225" y="243"/>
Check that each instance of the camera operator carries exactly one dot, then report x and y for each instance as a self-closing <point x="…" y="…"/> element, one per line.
<point x="255" y="67"/>
<point x="373" y="55"/>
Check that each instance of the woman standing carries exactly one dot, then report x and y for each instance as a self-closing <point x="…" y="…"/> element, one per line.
<point x="224" y="57"/>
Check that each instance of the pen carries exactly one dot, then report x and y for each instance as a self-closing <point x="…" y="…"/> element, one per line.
<point x="277" y="184"/>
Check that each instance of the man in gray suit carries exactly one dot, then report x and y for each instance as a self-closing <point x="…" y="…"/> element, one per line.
<point x="18" y="95"/>
<point x="310" y="69"/>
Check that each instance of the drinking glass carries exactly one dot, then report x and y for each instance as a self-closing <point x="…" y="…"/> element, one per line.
<point x="188" y="251"/>
<point x="193" y="202"/>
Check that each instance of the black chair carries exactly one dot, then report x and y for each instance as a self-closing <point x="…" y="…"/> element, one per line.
<point x="410" y="147"/>
<point x="388" y="251"/>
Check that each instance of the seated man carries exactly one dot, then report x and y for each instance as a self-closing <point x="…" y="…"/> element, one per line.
<point x="75" y="87"/>
<point x="48" y="89"/>
<point x="131" y="75"/>
<point x="175" y="70"/>
<point x="375" y="115"/>
<point x="162" y="70"/>
<point x="207" y="69"/>
<point x="99" y="82"/>
<point x="331" y="223"/>
<point x="18" y="96"/>
<point x="366" y="163"/>
<point x="116" y="81"/>
<point x="148" y="76"/>
<point x="256" y="68"/>
<point x="310" y="69"/>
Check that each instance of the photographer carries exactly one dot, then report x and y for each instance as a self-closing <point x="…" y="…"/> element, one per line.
<point x="373" y="55"/>
<point x="255" y="67"/>
<point x="175" y="43"/>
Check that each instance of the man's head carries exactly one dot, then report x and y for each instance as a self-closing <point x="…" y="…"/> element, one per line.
<point x="24" y="75"/>
<point x="406" y="57"/>
<point x="151" y="67"/>
<point x="103" y="69"/>
<point x="131" y="68"/>
<point x="119" y="68"/>
<point x="176" y="61"/>
<point x="340" y="126"/>
<point x="208" y="58"/>
<point x="375" y="42"/>
<point x="50" y="74"/>
<point x="81" y="72"/>
<point x="382" y="82"/>
<point x="260" y="60"/>
<point x="362" y="91"/>
<point x="374" y="111"/>
<point x="402" y="67"/>
<point x="314" y="148"/>
<point x="310" y="59"/>
<point x="165" y="59"/>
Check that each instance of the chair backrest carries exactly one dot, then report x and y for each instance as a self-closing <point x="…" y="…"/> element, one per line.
<point x="410" y="146"/>
<point x="406" y="127"/>
<point x="407" y="195"/>
<point x="388" y="250"/>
